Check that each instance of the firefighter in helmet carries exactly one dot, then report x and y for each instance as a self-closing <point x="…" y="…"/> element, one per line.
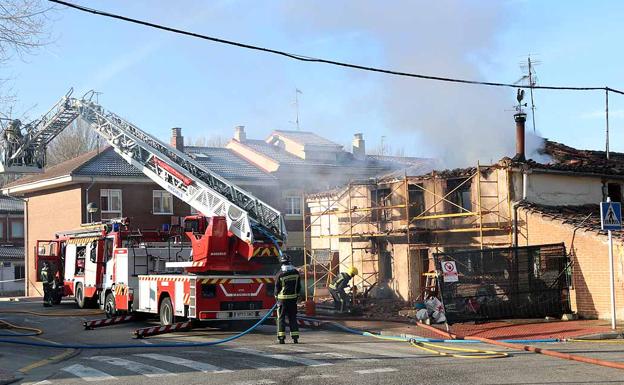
<point x="342" y="300"/>
<point x="287" y="289"/>
<point x="47" y="278"/>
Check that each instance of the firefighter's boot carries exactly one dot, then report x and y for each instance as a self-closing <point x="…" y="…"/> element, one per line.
<point x="282" y="340"/>
<point x="295" y="340"/>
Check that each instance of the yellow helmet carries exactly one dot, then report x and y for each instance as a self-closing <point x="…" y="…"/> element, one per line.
<point x="352" y="271"/>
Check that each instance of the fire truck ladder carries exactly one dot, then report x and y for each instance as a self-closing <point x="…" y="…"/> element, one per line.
<point x="173" y="170"/>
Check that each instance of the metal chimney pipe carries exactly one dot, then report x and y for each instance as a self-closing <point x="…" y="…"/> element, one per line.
<point x="520" y="119"/>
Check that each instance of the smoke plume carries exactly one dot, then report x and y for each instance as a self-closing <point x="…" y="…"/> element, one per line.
<point x="459" y="124"/>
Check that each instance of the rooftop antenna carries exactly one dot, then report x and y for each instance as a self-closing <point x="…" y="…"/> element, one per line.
<point x="297" y="92"/>
<point x="530" y="79"/>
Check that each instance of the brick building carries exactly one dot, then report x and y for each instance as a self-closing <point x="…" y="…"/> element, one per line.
<point x="11" y="246"/>
<point x="278" y="170"/>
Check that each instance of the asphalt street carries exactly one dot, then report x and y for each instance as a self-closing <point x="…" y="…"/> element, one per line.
<point x="323" y="357"/>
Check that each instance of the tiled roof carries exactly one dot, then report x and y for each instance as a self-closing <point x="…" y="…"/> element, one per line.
<point x="568" y="159"/>
<point x="273" y="152"/>
<point x="61" y="169"/>
<point x="584" y="217"/>
<point x="108" y="163"/>
<point x="307" y="138"/>
<point x="11" y="205"/>
<point x="11" y="252"/>
<point x="227" y="163"/>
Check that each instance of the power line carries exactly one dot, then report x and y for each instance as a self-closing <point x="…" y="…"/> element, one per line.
<point x="324" y="61"/>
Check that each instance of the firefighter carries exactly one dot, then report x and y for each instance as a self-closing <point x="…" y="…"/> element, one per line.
<point x="342" y="300"/>
<point x="47" y="278"/>
<point x="287" y="289"/>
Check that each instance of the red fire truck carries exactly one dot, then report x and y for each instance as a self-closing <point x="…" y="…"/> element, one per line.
<point x="215" y="266"/>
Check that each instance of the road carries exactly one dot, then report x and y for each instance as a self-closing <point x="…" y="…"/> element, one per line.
<point x="323" y="357"/>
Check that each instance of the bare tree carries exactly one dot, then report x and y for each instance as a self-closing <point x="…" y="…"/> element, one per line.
<point x="22" y="27"/>
<point x="74" y="141"/>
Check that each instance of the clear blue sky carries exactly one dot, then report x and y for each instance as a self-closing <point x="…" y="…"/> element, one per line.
<point x="159" y="80"/>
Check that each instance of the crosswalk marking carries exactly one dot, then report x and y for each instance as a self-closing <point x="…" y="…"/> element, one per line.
<point x="368" y="350"/>
<point x="283" y="357"/>
<point x="376" y="370"/>
<point x="86" y="373"/>
<point x="256" y="382"/>
<point x="260" y="365"/>
<point x="133" y="366"/>
<point x="316" y="376"/>
<point x="201" y="366"/>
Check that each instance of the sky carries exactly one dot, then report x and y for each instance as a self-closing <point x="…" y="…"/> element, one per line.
<point x="159" y="80"/>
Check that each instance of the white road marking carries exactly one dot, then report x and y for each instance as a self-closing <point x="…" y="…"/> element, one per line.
<point x="137" y="367"/>
<point x="260" y="365"/>
<point x="340" y="356"/>
<point x="374" y="351"/>
<point x="377" y="370"/>
<point x="283" y="357"/>
<point x="292" y="348"/>
<point x="201" y="366"/>
<point x="316" y="376"/>
<point x="255" y="382"/>
<point x="86" y="373"/>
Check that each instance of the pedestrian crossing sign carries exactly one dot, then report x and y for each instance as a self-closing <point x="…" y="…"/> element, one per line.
<point x="611" y="215"/>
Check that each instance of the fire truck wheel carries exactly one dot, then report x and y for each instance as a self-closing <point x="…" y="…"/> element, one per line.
<point x="109" y="306"/>
<point x="166" y="312"/>
<point x="80" y="299"/>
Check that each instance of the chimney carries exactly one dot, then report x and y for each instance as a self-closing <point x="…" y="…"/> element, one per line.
<point x="359" y="146"/>
<point x="239" y="134"/>
<point x="177" y="140"/>
<point x="520" y="119"/>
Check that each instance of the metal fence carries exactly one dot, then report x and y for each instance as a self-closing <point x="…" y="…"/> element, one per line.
<point x="515" y="282"/>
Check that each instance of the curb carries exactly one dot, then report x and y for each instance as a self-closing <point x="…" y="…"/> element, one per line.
<point x="601" y="336"/>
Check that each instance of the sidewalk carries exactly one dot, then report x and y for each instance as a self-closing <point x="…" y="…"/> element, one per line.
<point x="498" y="330"/>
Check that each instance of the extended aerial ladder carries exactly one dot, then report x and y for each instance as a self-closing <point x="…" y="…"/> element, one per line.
<point x="24" y="151"/>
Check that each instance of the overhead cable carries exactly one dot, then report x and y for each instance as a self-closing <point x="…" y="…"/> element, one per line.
<point x="324" y="61"/>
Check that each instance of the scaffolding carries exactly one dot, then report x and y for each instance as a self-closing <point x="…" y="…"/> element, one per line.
<point x="425" y="212"/>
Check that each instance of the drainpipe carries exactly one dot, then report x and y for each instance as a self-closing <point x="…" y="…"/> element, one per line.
<point x="87" y="199"/>
<point x="525" y="183"/>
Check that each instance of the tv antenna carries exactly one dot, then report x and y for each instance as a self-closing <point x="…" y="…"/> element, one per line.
<point x="530" y="79"/>
<point x="297" y="92"/>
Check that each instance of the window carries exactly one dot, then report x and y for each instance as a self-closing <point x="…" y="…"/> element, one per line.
<point x="293" y="205"/>
<point x="17" y="229"/>
<point x="1" y="230"/>
<point x="416" y="200"/>
<point x="614" y="191"/>
<point x="110" y="201"/>
<point x="461" y="195"/>
<point x="381" y="198"/>
<point x="162" y="202"/>
<point x="19" y="272"/>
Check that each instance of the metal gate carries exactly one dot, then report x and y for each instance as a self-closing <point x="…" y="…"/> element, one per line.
<point x="514" y="282"/>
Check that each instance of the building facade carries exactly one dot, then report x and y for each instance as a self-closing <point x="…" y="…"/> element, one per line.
<point x="12" y="270"/>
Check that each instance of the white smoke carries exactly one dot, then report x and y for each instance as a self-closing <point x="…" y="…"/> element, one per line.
<point x="457" y="123"/>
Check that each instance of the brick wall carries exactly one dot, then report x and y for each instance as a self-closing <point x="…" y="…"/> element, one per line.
<point x="48" y="212"/>
<point x="590" y="294"/>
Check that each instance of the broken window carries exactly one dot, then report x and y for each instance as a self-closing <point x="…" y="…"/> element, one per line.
<point x="614" y="191"/>
<point x="381" y="198"/>
<point x="461" y="195"/>
<point x="416" y="198"/>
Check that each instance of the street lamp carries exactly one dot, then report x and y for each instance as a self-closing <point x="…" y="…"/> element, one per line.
<point x="91" y="209"/>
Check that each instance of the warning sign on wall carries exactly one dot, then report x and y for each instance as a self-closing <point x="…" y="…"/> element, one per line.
<point x="449" y="270"/>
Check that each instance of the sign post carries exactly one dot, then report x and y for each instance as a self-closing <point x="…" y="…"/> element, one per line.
<point x="611" y="219"/>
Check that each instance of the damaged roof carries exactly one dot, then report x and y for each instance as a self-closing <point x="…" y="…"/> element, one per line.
<point x="568" y="159"/>
<point x="586" y="217"/>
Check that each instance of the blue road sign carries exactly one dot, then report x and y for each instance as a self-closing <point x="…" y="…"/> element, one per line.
<point x="611" y="215"/>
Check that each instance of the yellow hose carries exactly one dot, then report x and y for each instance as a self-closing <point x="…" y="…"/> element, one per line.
<point x="8" y="325"/>
<point x="50" y="314"/>
<point x="478" y="354"/>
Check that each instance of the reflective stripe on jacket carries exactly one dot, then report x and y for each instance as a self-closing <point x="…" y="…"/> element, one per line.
<point x="341" y="281"/>
<point x="287" y="284"/>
